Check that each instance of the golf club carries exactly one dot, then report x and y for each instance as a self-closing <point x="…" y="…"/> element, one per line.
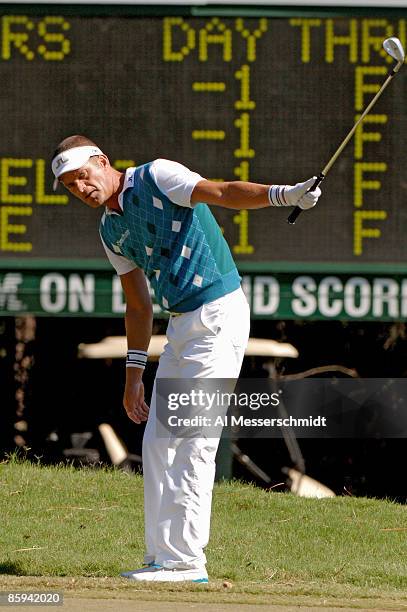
<point x="394" y="48"/>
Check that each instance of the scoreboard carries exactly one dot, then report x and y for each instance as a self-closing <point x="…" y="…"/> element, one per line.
<point x="265" y="98"/>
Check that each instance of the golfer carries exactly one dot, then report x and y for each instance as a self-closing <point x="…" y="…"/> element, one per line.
<point x="156" y="224"/>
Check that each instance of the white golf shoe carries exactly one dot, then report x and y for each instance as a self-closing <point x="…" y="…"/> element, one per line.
<point x="157" y="573"/>
<point x="146" y="566"/>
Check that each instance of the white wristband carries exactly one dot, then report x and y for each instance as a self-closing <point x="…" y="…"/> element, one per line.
<point x="136" y="359"/>
<point x="276" y="195"/>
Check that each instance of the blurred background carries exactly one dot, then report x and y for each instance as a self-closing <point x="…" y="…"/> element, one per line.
<point x="262" y="92"/>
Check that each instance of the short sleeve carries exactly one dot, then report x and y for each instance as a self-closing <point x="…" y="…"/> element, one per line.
<point x="120" y="263"/>
<point x="175" y="181"/>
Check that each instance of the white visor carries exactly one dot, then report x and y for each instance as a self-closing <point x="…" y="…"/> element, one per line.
<point x="72" y="159"/>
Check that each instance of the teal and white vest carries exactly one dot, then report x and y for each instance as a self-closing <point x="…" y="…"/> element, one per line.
<point x="181" y="250"/>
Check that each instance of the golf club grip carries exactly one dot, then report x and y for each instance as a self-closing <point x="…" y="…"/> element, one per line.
<point x="292" y="218"/>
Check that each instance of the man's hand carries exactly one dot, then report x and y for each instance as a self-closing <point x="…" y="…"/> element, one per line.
<point x="133" y="400"/>
<point x="295" y="195"/>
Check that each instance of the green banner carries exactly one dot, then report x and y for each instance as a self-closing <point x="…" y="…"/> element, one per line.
<point x="280" y="295"/>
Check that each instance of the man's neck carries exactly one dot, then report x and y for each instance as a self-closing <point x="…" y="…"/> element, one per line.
<point x="118" y="182"/>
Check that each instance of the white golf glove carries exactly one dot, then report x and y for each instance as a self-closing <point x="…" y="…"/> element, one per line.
<point x="295" y="195"/>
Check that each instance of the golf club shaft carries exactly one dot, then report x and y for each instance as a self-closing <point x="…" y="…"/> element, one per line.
<point x="297" y="210"/>
<point x="288" y="433"/>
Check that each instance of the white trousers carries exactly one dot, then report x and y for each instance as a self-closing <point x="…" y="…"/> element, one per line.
<point x="179" y="472"/>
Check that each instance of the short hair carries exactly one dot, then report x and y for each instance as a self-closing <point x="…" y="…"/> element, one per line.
<point x="73" y="141"/>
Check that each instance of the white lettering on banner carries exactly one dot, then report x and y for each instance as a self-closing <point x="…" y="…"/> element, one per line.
<point x="58" y="292"/>
<point x="118" y="301"/>
<point x="357" y="298"/>
<point x="53" y="284"/>
<point x="305" y="303"/>
<point x="81" y="293"/>
<point x="385" y="291"/>
<point x="302" y="296"/>
<point x="9" y="292"/>
<point x="264" y="304"/>
<point x="357" y="290"/>
<point x="330" y="307"/>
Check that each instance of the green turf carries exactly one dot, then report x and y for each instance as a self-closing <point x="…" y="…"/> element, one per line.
<point x="89" y="523"/>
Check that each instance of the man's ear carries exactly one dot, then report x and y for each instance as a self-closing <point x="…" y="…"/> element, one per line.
<point x="103" y="160"/>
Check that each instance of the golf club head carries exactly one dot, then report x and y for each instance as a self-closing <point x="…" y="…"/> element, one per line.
<point x="394" y="48"/>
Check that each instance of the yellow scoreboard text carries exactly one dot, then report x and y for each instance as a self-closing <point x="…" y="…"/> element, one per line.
<point x="45" y="38"/>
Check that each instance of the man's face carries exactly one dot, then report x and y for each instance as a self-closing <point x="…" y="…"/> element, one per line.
<point x="91" y="183"/>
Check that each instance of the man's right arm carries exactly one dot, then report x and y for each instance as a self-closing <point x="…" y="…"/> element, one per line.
<point x="238" y="195"/>
<point x="138" y="319"/>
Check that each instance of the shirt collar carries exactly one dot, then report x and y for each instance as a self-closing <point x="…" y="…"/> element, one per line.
<point x="128" y="182"/>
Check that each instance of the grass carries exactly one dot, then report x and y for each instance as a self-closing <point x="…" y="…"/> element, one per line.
<point x="61" y="524"/>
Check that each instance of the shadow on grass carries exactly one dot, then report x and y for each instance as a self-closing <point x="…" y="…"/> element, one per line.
<point x="11" y="568"/>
